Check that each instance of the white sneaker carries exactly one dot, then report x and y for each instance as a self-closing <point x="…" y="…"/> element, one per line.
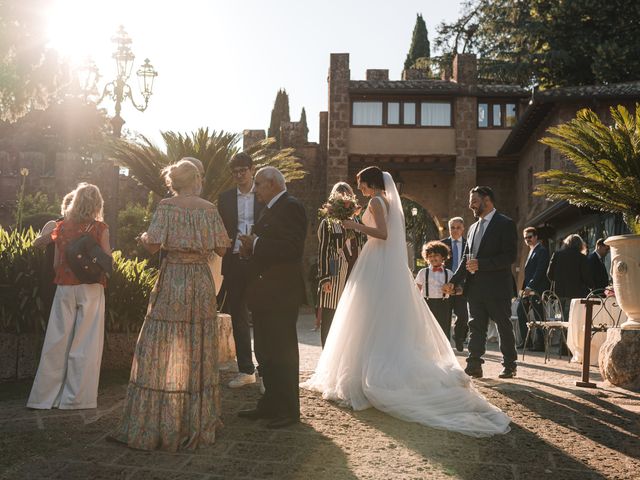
<point x="242" y="379"/>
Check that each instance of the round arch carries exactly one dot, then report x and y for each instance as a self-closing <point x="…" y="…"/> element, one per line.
<point x="421" y="227"/>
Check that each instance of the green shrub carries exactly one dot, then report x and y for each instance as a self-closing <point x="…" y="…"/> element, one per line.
<point x="127" y="293"/>
<point x="21" y="266"/>
<point x="132" y="221"/>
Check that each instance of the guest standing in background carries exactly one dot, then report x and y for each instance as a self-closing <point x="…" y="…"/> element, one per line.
<point x="239" y="210"/>
<point x="337" y="253"/>
<point x="69" y="369"/>
<point x="172" y="400"/>
<point x="457" y="243"/>
<point x="569" y="272"/>
<point x="596" y="263"/>
<point x="534" y="284"/>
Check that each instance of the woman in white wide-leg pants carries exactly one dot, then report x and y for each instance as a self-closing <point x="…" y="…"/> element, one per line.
<point x="69" y="368"/>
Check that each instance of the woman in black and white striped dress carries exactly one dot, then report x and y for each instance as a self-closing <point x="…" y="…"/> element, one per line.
<point x="336" y="256"/>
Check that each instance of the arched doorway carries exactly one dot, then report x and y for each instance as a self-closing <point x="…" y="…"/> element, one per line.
<point x="421" y="227"/>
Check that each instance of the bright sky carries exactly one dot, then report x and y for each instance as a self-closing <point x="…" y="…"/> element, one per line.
<point x="221" y="63"/>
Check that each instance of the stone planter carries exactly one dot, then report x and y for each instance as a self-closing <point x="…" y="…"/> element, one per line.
<point x="625" y="268"/>
<point x="618" y="358"/>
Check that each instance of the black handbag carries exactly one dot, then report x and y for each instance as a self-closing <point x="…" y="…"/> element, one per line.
<point x="87" y="260"/>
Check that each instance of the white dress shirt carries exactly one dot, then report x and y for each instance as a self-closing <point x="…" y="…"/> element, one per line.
<point x="246" y="202"/>
<point x="436" y="282"/>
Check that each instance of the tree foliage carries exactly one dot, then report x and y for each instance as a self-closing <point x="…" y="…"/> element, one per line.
<point x="303" y="122"/>
<point x="557" y="43"/>
<point x="420" y="47"/>
<point x="606" y="161"/>
<point x="279" y="114"/>
<point x="30" y="73"/>
<point x="214" y="149"/>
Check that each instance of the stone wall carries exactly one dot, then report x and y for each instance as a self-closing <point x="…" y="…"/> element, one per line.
<point x="431" y="190"/>
<point x="56" y="174"/>
<point x="251" y="137"/>
<point x="377" y="75"/>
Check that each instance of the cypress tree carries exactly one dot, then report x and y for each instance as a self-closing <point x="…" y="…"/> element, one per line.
<point x="279" y="114"/>
<point x="420" y="47"/>
<point x="303" y="122"/>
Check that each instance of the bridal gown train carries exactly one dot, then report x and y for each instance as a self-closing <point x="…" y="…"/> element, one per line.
<point x="385" y="349"/>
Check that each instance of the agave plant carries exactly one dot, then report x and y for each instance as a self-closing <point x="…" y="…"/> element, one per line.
<point x="145" y="160"/>
<point x="606" y="160"/>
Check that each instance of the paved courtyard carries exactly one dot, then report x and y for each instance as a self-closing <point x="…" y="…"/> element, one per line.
<point x="559" y="431"/>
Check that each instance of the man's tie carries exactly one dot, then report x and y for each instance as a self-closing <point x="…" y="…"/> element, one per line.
<point x="455" y="255"/>
<point x="477" y="238"/>
<point x="263" y="212"/>
<point x="437" y="269"/>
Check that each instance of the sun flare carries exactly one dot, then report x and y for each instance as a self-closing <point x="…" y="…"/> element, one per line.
<point x="78" y="30"/>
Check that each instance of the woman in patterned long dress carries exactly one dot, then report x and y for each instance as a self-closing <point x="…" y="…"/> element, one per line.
<point x="336" y="256"/>
<point x="173" y="400"/>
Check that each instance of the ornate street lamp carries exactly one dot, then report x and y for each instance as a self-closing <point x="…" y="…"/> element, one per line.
<point x="119" y="89"/>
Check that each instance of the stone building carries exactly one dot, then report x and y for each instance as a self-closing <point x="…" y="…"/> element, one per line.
<point x="439" y="137"/>
<point x="556" y="220"/>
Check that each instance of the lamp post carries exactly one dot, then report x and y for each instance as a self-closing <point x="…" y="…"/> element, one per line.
<point x="119" y="89"/>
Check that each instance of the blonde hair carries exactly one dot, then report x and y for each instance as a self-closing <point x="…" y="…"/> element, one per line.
<point x="86" y="204"/>
<point x="66" y="203"/>
<point x="342" y="187"/>
<point x="180" y="175"/>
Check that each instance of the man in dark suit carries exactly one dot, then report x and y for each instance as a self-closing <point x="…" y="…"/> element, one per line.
<point x="596" y="262"/>
<point x="239" y="208"/>
<point x="457" y="243"/>
<point x="274" y="294"/>
<point x="570" y="273"/>
<point x="488" y="280"/>
<point x="535" y="282"/>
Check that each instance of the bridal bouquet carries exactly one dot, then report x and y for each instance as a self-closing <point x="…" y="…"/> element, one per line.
<point x="339" y="207"/>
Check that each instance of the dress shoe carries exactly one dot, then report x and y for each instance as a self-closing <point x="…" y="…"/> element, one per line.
<point x="254" y="414"/>
<point x="508" y="372"/>
<point x="459" y="344"/>
<point x="281" y="422"/>
<point x="475" y="372"/>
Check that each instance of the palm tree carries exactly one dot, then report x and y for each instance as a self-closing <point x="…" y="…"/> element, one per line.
<point x="606" y="160"/>
<point x="145" y="160"/>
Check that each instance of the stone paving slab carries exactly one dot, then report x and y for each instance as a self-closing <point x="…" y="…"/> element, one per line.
<point x="559" y="431"/>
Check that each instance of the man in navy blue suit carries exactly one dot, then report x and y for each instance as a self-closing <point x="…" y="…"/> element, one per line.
<point x="596" y="263"/>
<point x="535" y="282"/>
<point x="457" y="243"/>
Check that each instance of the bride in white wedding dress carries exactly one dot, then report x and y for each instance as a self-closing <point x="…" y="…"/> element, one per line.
<point x="385" y="349"/>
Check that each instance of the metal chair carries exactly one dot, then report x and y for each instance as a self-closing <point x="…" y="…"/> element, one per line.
<point x="551" y="321"/>
<point x="554" y="321"/>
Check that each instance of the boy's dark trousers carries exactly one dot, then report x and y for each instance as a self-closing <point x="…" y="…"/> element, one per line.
<point x="441" y="309"/>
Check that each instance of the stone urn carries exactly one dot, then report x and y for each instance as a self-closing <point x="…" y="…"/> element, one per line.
<point x="618" y="358"/>
<point x="625" y="269"/>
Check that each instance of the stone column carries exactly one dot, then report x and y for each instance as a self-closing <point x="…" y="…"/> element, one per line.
<point x="465" y="115"/>
<point x="466" y="126"/>
<point x="339" y="113"/>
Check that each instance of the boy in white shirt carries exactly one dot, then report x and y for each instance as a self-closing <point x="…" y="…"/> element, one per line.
<point x="430" y="281"/>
